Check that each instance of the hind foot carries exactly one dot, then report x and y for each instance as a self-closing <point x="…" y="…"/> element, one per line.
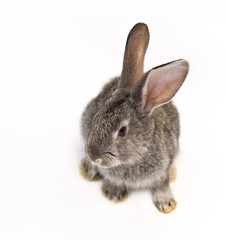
<point x="173" y="176"/>
<point x="88" y="171"/>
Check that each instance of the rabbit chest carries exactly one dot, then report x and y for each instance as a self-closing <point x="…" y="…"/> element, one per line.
<point x="136" y="176"/>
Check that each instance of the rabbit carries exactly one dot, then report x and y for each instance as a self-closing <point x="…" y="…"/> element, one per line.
<point x="131" y="129"/>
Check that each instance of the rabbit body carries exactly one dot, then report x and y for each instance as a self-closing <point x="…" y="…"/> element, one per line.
<point x="131" y="128"/>
<point x="155" y="148"/>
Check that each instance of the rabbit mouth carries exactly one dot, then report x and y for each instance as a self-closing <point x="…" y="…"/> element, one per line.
<point x="110" y="153"/>
<point x="108" y="160"/>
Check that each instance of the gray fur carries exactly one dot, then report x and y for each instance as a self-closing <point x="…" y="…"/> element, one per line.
<point x="141" y="159"/>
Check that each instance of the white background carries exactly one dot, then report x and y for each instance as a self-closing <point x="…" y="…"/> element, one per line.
<point x="54" y="57"/>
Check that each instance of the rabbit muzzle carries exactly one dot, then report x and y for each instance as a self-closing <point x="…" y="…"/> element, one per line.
<point x="101" y="158"/>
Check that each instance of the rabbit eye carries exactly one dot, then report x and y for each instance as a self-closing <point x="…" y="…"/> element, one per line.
<point x="122" y="132"/>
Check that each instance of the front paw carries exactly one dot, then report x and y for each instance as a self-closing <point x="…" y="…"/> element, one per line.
<point x="115" y="194"/>
<point x="166" y="206"/>
<point x="163" y="199"/>
<point x="88" y="172"/>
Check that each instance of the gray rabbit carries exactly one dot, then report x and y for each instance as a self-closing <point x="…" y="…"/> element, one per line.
<point x="131" y="128"/>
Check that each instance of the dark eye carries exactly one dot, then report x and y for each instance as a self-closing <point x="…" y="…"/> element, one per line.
<point x="122" y="132"/>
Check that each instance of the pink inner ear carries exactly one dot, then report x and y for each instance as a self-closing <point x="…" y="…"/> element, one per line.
<point x="162" y="83"/>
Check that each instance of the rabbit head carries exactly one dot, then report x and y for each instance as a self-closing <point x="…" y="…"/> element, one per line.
<point x="121" y="130"/>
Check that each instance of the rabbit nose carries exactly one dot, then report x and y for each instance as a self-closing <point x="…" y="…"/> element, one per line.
<point x="98" y="161"/>
<point x="93" y="153"/>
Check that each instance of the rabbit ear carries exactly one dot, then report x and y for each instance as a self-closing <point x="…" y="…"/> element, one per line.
<point x="136" y="46"/>
<point x="162" y="83"/>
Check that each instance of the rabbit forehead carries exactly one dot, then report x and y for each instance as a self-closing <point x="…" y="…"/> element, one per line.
<point x="112" y="114"/>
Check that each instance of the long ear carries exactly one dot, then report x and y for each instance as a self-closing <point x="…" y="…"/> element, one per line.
<point x="133" y="62"/>
<point x="162" y="83"/>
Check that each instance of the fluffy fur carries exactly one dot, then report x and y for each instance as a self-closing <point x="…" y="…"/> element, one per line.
<point x="139" y="102"/>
